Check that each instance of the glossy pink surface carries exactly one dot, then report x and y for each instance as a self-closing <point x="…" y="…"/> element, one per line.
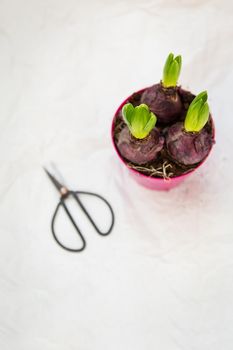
<point x="147" y="181"/>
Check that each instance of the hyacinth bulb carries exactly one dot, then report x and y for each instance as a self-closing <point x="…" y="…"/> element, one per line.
<point x="139" y="141"/>
<point x="163" y="99"/>
<point x="189" y="143"/>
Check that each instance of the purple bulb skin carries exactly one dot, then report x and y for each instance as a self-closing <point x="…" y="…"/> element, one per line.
<point x="165" y="103"/>
<point x="185" y="147"/>
<point x="140" y="151"/>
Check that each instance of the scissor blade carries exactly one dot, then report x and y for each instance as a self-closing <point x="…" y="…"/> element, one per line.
<point x="56" y="183"/>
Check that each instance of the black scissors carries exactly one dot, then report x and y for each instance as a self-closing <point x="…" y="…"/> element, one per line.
<point x="64" y="194"/>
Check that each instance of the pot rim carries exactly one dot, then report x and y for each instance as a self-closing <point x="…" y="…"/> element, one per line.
<point x="136" y="171"/>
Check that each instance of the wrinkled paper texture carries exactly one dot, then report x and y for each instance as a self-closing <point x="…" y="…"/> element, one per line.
<point x="163" y="279"/>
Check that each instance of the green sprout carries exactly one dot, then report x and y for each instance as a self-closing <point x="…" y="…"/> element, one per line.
<point x="139" y="120"/>
<point x="171" y="70"/>
<point x="198" y="113"/>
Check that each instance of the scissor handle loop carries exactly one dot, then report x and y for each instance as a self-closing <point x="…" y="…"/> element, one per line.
<point x="62" y="203"/>
<point x="76" y="197"/>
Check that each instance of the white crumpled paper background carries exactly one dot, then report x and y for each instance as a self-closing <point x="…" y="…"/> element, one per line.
<point x="164" y="278"/>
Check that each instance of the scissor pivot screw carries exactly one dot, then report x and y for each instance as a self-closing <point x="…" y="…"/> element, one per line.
<point x="64" y="191"/>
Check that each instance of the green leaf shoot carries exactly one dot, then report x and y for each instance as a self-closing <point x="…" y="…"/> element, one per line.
<point x="198" y="113"/>
<point x="171" y="70"/>
<point x="139" y="120"/>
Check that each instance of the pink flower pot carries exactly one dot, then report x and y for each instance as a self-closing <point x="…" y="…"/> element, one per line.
<point x="152" y="183"/>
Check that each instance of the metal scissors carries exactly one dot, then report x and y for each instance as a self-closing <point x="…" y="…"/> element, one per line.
<point x="64" y="194"/>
